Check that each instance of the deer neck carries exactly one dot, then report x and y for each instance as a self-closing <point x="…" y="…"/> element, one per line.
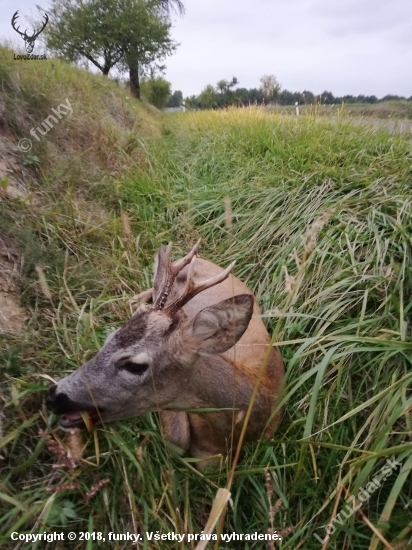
<point x="218" y="382"/>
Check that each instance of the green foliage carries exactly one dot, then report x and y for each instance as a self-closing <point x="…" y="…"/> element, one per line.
<point x="212" y="98"/>
<point x="85" y="30"/>
<point x="270" y="92"/>
<point x="344" y="327"/>
<point x="208" y="98"/>
<point x="176" y="99"/>
<point x="31" y="160"/>
<point x="346" y="333"/>
<point x="110" y="32"/>
<point x="61" y="513"/>
<point x="270" y="87"/>
<point x="224" y="86"/>
<point x="157" y="91"/>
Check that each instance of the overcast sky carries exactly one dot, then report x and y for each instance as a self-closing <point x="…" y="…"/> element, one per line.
<point x="344" y="46"/>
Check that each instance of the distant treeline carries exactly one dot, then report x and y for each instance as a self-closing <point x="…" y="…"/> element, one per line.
<point x="215" y="98"/>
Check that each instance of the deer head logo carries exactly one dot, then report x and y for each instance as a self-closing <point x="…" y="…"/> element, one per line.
<point x="29" y="40"/>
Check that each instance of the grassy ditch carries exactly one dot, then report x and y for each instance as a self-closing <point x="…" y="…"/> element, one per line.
<point x="317" y="215"/>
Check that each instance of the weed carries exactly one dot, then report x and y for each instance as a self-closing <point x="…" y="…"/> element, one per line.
<point x="327" y="203"/>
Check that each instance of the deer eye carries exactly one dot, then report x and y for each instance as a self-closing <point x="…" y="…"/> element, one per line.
<point x="134" y="368"/>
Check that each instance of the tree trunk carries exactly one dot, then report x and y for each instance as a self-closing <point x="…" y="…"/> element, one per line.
<point x="134" y="80"/>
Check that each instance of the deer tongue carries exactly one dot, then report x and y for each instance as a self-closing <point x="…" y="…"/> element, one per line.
<point x="71" y="416"/>
<point x="70" y="420"/>
<point x="81" y="419"/>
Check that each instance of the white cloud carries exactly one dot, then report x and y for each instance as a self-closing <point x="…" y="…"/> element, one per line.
<point x="354" y="47"/>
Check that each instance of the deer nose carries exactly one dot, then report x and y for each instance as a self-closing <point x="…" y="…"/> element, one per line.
<point x="60" y="403"/>
<point x="51" y="398"/>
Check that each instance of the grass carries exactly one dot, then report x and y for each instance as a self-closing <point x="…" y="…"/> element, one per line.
<point x="387" y="110"/>
<point x="335" y="294"/>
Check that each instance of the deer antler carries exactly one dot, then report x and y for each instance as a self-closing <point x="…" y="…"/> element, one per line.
<point x="36" y="34"/>
<point x="165" y="275"/>
<point x="192" y="289"/>
<point x="13" y="21"/>
<point x="166" y="272"/>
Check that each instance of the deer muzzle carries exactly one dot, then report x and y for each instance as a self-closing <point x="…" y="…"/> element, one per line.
<point x="72" y="414"/>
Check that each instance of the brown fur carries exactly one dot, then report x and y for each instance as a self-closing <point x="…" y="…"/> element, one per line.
<point x="205" y="353"/>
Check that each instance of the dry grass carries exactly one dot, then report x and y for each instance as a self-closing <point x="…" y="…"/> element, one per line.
<point x="327" y="204"/>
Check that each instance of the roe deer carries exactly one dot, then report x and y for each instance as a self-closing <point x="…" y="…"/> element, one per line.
<point x="196" y="346"/>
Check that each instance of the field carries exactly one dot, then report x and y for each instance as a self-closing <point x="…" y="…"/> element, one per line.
<point x="400" y="110"/>
<point x="318" y="216"/>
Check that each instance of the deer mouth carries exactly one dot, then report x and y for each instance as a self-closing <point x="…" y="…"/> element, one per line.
<point x="82" y="419"/>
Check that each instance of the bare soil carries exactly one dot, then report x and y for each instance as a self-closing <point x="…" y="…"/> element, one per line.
<point x="12" y="315"/>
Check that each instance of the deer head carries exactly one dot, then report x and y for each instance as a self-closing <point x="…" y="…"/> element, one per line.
<point x="146" y="365"/>
<point x="29" y="40"/>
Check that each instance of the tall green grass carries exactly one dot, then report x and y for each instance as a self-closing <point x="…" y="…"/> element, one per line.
<point x="253" y="186"/>
<point x="344" y="330"/>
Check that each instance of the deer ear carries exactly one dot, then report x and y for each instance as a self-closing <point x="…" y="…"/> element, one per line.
<point x="217" y="328"/>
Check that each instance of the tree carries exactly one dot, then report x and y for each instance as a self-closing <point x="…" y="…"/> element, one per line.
<point x="227" y="96"/>
<point x="208" y="98"/>
<point x="391" y="97"/>
<point x="242" y="96"/>
<point x="176" y="99"/>
<point x="327" y="98"/>
<point x="131" y="34"/>
<point x="157" y="91"/>
<point x="75" y="31"/>
<point x="225" y="85"/>
<point x="223" y="95"/>
<point x="192" y="102"/>
<point x="270" y="86"/>
<point x="347" y="99"/>
<point x="233" y="82"/>
<point x="308" y="97"/>
<point x="222" y="86"/>
<point x="256" y="95"/>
